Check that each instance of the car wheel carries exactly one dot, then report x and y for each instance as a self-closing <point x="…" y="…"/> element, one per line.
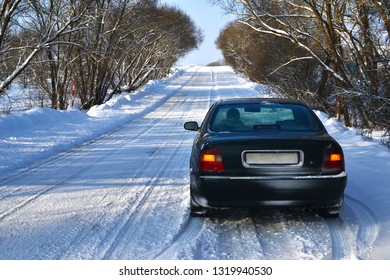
<point x="196" y="210"/>
<point x="329" y="215"/>
<point x="333" y="212"/>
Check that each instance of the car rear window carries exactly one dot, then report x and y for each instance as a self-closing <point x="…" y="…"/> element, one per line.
<point x="263" y="116"/>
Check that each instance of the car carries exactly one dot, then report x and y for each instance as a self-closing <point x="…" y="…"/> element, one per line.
<point x="262" y="152"/>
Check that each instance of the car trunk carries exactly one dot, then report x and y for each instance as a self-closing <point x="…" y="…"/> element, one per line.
<point x="270" y="155"/>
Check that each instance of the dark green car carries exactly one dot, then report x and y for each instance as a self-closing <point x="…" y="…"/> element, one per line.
<point x="265" y="152"/>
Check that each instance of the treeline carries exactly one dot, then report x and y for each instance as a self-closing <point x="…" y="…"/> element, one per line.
<point x="102" y="46"/>
<point x="335" y="54"/>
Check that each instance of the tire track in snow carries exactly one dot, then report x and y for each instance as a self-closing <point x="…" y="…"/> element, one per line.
<point x="36" y="167"/>
<point x="192" y="227"/>
<point x="343" y="241"/>
<point x="189" y="231"/>
<point x="283" y="235"/>
<point x="134" y="217"/>
<point x="135" y="210"/>
<point x="269" y="234"/>
<point x="345" y="244"/>
<point x="237" y="236"/>
<point x="62" y="180"/>
<point x="85" y="148"/>
<point x="369" y="226"/>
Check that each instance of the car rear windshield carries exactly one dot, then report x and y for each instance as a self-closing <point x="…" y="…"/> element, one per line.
<point x="264" y="116"/>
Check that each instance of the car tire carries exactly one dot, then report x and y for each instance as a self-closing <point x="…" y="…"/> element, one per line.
<point x="196" y="210"/>
<point x="329" y="215"/>
<point x="333" y="212"/>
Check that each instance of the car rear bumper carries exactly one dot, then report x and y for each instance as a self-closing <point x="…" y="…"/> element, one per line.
<point x="226" y="191"/>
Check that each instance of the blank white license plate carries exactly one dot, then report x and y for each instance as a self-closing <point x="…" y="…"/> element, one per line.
<point x="284" y="158"/>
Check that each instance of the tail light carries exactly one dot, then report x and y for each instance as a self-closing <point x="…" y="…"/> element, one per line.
<point x="333" y="161"/>
<point x="211" y="160"/>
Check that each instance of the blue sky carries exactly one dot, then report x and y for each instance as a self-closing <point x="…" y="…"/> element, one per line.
<point x="211" y="19"/>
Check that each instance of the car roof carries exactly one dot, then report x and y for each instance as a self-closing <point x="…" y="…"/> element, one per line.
<point x="259" y="100"/>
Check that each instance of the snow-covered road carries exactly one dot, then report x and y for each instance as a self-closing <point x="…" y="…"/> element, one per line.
<point x="124" y="194"/>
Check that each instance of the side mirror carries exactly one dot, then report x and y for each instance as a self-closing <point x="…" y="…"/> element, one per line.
<point x="191" y="126"/>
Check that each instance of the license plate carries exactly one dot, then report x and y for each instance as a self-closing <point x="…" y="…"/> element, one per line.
<point x="272" y="158"/>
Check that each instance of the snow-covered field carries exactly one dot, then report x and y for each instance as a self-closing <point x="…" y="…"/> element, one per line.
<point x="113" y="184"/>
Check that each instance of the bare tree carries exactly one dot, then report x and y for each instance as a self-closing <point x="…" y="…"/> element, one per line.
<point x="347" y="40"/>
<point x="103" y="45"/>
<point x="8" y="12"/>
<point x="45" y="21"/>
<point x="129" y="43"/>
<point x="167" y="34"/>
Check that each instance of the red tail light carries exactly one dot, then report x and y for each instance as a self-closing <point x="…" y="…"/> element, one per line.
<point x="211" y="160"/>
<point x="333" y="161"/>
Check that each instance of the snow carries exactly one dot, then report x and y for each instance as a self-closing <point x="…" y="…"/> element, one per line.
<point x="41" y="132"/>
<point x="112" y="183"/>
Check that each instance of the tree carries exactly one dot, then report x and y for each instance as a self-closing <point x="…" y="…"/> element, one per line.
<point x="346" y="39"/>
<point x="103" y="45"/>
<point x="263" y="60"/>
<point x="44" y="22"/>
<point x="129" y="43"/>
